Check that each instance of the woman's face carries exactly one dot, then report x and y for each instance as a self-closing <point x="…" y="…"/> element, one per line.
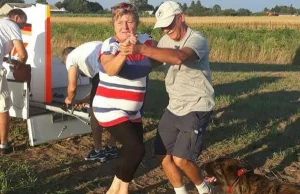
<point x="125" y="26"/>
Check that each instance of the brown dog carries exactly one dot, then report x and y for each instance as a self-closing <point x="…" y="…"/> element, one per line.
<point x="237" y="177"/>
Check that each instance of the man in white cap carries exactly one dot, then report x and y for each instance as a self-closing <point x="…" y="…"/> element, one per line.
<point x="179" y="139"/>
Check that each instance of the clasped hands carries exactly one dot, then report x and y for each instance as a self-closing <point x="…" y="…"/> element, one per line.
<point x="130" y="46"/>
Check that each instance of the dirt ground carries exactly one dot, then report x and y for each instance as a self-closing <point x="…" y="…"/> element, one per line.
<point x="59" y="167"/>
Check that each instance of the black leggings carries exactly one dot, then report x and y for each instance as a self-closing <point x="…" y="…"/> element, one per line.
<point x="130" y="135"/>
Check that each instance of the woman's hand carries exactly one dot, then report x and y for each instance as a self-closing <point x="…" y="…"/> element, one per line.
<point x="133" y="38"/>
<point x="129" y="47"/>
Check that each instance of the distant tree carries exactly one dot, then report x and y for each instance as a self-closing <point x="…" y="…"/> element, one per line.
<point x="266" y="9"/>
<point x="59" y="5"/>
<point x="229" y="12"/>
<point x="276" y="9"/>
<point x="94" y="7"/>
<point x="192" y="4"/>
<point x="196" y="8"/>
<point x="217" y="8"/>
<point x="2" y="2"/>
<point x="184" y="7"/>
<point x="41" y="1"/>
<point x="292" y="9"/>
<point x="284" y="9"/>
<point x="142" y="5"/>
<point x="198" y="3"/>
<point x="76" y="6"/>
<point x="243" y="12"/>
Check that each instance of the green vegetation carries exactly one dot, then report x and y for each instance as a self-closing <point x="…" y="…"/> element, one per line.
<point x="16" y="177"/>
<point x="277" y="46"/>
<point x="256" y="117"/>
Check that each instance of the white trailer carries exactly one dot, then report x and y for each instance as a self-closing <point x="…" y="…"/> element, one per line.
<point x="42" y="105"/>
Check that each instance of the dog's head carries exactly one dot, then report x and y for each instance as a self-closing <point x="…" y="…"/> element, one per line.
<point x="225" y="171"/>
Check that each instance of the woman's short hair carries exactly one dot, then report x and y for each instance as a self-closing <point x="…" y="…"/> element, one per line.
<point x="124" y="8"/>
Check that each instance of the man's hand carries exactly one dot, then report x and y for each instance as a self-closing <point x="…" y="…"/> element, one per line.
<point x="80" y="105"/>
<point x="127" y="47"/>
<point x="130" y="49"/>
<point x="68" y="101"/>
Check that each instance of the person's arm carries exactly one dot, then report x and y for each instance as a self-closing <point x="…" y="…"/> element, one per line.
<point x="175" y="57"/>
<point x="113" y="63"/>
<point x="22" y="53"/>
<point x="72" y="85"/>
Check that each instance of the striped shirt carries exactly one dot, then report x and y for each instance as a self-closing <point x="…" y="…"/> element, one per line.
<point x="119" y="98"/>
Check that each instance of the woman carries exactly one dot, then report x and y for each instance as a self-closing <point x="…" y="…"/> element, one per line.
<point x="120" y="93"/>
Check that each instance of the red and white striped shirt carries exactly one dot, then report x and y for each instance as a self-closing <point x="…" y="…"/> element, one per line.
<point x="120" y="98"/>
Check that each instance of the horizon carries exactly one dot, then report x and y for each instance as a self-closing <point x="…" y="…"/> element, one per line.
<point x="253" y="6"/>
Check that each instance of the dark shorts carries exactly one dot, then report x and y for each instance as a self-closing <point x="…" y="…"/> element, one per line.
<point x="181" y="136"/>
<point x="95" y="83"/>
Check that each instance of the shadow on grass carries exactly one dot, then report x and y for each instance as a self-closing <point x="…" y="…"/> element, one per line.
<point x="274" y="119"/>
<point x="296" y="59"/>
<point x="243" y="87"/>
<point x="253" y="111"/>
<point x="248" y="67"/>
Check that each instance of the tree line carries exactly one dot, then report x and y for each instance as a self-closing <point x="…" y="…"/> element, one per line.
<point x="194" y="9"/>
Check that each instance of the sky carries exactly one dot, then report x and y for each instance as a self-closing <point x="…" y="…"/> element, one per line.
<point x="253" y="5"/>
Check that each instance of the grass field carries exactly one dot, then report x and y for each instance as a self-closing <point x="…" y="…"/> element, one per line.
<point x="256" y="117"/>
<point x="238" y="45"/>
<point x="254" y="22"/>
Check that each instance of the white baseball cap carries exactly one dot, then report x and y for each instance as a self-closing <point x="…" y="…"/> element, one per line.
<point x="165" y="13"/>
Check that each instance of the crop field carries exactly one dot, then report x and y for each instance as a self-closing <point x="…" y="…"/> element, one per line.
<point x="254" y="22"/>
<point x="231" y="39"/>
<point x="255" y="72"/>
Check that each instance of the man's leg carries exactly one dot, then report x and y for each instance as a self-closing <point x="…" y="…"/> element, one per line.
<point x="189" y="145"/>
<point x="112" y="150"/>
<point x="4" y="125"/>
<point x="97" y="131"/>
<point x="190" y="169"/>
<point x="96" y="153"/>
<point x="5" y="104"/>
<point x="171" y="170"/>
<point x="164" y="144"/>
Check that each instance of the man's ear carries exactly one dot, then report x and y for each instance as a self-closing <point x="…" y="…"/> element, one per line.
<point x="14" y="18"/>
<point x="182" y="17"/>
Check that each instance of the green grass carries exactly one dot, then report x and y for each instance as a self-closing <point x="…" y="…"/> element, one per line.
<point x="268" y="46"/>
<point x="256" y="117"/>
<point x="16" y="177"/>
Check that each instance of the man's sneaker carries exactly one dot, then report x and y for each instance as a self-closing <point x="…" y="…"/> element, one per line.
<point x="112" y="152"/>
<point x="93" y="155"/>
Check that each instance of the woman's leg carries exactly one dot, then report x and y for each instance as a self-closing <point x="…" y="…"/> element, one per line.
<point x="115" y="186"/>
<point x="130" y="135"/>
